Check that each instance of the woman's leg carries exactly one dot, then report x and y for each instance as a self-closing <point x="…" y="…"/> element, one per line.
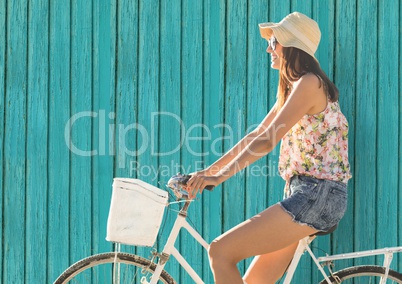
<point x="268" y="268"/>
<point x="269" y="231"/>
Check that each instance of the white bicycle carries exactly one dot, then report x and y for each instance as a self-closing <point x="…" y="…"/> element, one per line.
<point x="118" y="267"/>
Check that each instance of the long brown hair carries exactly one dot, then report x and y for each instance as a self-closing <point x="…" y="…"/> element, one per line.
<point x="294" y="64"/>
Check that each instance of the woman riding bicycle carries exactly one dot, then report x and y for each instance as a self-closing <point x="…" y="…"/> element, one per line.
<point x="313" y="160"/>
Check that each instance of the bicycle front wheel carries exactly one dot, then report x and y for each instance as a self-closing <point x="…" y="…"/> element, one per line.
<point x="366" y="274"/>
<point x="116" y="268"/>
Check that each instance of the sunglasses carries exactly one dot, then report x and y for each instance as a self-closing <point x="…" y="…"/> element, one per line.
<point x="272" y="43"/>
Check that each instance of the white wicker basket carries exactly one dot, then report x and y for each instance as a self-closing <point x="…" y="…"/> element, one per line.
<point x="136" y="212"/>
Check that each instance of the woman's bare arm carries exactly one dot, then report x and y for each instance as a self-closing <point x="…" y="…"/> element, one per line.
<point x="301" y="101"/>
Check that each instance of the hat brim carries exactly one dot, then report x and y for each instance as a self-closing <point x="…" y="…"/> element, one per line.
<point x="266" y="29"/>
<point x="283" y="36"/>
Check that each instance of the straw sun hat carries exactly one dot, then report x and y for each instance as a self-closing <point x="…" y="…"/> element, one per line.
<point x="295" y="30"/>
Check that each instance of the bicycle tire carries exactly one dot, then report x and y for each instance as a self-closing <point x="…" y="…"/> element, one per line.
<point x="355" y="274"/>
<point x="85" y="270"/>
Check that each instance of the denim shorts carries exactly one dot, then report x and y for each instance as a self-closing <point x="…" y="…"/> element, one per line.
<point x="318" y="203"/>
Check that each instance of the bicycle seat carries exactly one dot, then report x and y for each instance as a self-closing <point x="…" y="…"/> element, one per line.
<point x="321" y="233"/>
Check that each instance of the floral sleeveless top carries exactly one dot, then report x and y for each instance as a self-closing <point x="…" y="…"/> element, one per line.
<point x="317" y="146"/>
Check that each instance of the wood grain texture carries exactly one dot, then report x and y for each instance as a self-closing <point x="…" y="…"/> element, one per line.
<point x="387" y="125"/>
<point x="213" y="117"/>
<point x="173" y="90"/>
<point x="127" y="77"/>
<point x="366" y="115"/>
<point x="37" y="142"/>
<point x="135" y="81"/>
<point x="256" y="191"/>
<point x="3" y="44"/>
<point x="14" y="164"/>
<point x="346" y="81"/>
<point x="58" y="154"/>
<point x="104" y="60"/>
<point x="192" y="116"/>
<point x="80" y="210"/>
<point x="235" y="109"/>
<point x="399" y="228"/>
<point x="148" y="99"/>
<point x="127" y="139"/>
<point x="148" y="86"/>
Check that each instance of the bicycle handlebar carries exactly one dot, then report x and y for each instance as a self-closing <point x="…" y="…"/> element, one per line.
<point x="187" y="177"/>
<point x="178" y="181"/>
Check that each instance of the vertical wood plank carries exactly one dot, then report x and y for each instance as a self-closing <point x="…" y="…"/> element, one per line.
<point x="37" y="142"/>
<point x="169" y="111"/>
<point x="97" y="130"/>
<point x="399" y="258"/>
<point x="104" y="35"/>
<point x="213" y="115"/>
<point x="81" y="130"/>
<point x="345" y="80"/>
<point x="148" y="87"/>
<point x="324" y="13"/>
<point x="3" y="45"/>
<point x="387" y="120"/>
<point x="256" y="107"/>
<point x="366" y="123"/>
<point x="59" y="154"/>
<point x="126" y="87"/>
<point x="15" y="144"/>
<point x="192" y="98"/>
<point x="235" y="114"/>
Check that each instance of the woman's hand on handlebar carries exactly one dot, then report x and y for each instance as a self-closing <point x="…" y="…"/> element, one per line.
<point x="198" y="182"/>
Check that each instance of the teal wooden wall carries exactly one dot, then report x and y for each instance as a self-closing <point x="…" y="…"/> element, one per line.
<point x="122" y="75"/>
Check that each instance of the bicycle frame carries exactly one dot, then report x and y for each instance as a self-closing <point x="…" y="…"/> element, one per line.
<point x="301" y="248"/>
<point x="387" y="252"/>
<point x="171" y="250"/>
<point x="304" y="246"/>
<point x="181" y="222"/>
